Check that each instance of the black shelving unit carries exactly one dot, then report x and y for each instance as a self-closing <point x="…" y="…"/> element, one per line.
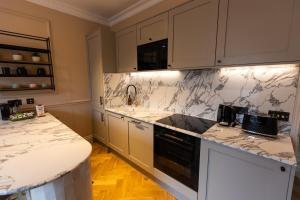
<point x="46" y="51"/>
<point x="24" y="76"/>
<point x="25" y="88"/>
<point x="24" y="62"/>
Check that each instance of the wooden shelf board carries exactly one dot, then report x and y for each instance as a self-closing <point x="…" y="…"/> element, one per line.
<point x="22" y="48"/>
<point x="24" y="62"/>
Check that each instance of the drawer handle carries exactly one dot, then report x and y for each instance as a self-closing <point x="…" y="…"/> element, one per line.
<point x="282" y="169"/>
<point x="135" y="122"/>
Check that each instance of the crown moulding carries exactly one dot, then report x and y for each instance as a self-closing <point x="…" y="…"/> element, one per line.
<point x="90" y="16"/>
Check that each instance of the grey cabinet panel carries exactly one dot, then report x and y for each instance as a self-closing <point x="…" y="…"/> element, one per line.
<point x="126" y="50"/>
<point x="153" y="29"/>
<point x="229" y="174"/>
<point x="192" y="34"/>
<point x="258" y="31"/>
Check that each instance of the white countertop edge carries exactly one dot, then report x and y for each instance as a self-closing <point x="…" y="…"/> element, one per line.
<point x="4" y="192"/>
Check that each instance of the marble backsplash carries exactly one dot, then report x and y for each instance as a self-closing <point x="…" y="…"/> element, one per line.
<point x="199" y="92"/>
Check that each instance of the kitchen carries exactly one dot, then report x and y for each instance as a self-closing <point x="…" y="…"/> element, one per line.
<point x="180" y="99"/>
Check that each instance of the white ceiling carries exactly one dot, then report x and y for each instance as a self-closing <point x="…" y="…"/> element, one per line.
<point x="107" y="12"/>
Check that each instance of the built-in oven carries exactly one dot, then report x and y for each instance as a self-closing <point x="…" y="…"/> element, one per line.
<point x="177" y="155"/>
<point x="153" y="56"/>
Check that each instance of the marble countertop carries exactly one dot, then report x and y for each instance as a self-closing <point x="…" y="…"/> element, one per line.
<point x="279" y="149"/>
<point x="36" y="151"/>
<point x="144" y="115"/>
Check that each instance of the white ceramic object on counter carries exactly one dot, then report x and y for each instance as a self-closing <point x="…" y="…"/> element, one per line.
<point x="17" y="57"/>
<point x="40" y="110"/>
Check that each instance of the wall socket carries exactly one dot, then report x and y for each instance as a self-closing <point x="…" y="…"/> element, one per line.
<point x="282" y="116"/>
<point x="30" y="101"/>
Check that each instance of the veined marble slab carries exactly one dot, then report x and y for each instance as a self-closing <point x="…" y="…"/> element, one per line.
<point x="279" y="149"/>
<point x="199" y="92"/>
<point x="36" y="151"/>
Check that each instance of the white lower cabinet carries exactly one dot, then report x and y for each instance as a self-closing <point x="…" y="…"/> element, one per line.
<point x="230" y="174"/>
<point x="100" y="132"/>
<point x="118" y="133"/>
<point x="131" y="138"/>
<point x="141" y="144"/>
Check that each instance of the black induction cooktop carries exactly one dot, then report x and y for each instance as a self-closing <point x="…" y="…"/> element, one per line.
<point x="194" y="124"/>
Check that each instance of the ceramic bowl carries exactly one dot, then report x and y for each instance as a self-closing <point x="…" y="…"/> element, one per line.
<point x="15" y="86"/>
<point x="17" y="57"/>
<point x="44" y="85"/>
<point x="36" y="58"/>
<point x="32" y="85"/>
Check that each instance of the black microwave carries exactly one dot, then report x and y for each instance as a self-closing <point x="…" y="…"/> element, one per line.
<point x="153" y="56"/>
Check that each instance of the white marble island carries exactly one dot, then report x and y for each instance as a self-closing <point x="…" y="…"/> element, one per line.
<point x="41" y="153"/>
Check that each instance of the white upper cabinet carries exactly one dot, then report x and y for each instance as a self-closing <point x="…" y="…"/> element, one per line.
<point x="192" y="34"/>
<point x="153" y="29"/>
<point x="258" y="31"/>
<point x="126" y="50"/>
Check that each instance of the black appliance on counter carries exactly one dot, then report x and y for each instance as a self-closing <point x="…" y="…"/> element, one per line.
<point x="178" y="154"/>
<point x="231" y="115"/>
<point x="153" y="56"/>
<point x="226" y="115"/>
<point x="5" y="111"/>
<point x="260" y="124"/>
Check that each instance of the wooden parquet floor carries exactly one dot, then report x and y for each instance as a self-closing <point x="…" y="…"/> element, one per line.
<point x="114" y="179"/>
<point x="296" y="189"/>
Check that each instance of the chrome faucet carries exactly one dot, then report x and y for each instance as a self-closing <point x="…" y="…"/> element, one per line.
<point x="130" y="99"/>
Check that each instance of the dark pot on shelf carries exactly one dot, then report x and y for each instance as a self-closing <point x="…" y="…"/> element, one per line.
<point x="21" y="71"/>
<point x="41" y="72"/>
<point x="5" y="70"/>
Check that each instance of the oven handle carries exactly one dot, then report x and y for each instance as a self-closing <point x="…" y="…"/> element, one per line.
<point x="175" y="140"/>
<point x="173" y="137"/>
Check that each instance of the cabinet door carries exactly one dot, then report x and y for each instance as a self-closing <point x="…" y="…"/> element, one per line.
<point x="258" y="31"/>
<point x="95" y="69"/>
<point x="152" y="30"/>
<point x="99" y="126"/>
<point x="141" y="144"/>
<point x="118" y="133"/>
<point x="229" y="174"/>
<point x="192" y="34"/>
<point x="126" y="48"/>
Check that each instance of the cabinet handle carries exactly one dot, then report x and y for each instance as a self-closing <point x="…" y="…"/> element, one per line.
<point x="219" y="61"/>
<point x="135" y="122"/>
<point x="150" y="39"/>
<point x="169" y="66"/>
<point x="134" y="68"/>
<point x="282" y="169"/>
<point x="102" y="117"/>
<point x="101" y="100"/>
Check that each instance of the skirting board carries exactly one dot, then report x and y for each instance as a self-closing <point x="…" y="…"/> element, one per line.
<point x="176" y="188"/>
<point x="89" y="138"/>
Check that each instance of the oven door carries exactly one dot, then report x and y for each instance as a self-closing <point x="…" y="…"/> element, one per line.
<point x="153" y="56"/>
<point x="177" y="155"/>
